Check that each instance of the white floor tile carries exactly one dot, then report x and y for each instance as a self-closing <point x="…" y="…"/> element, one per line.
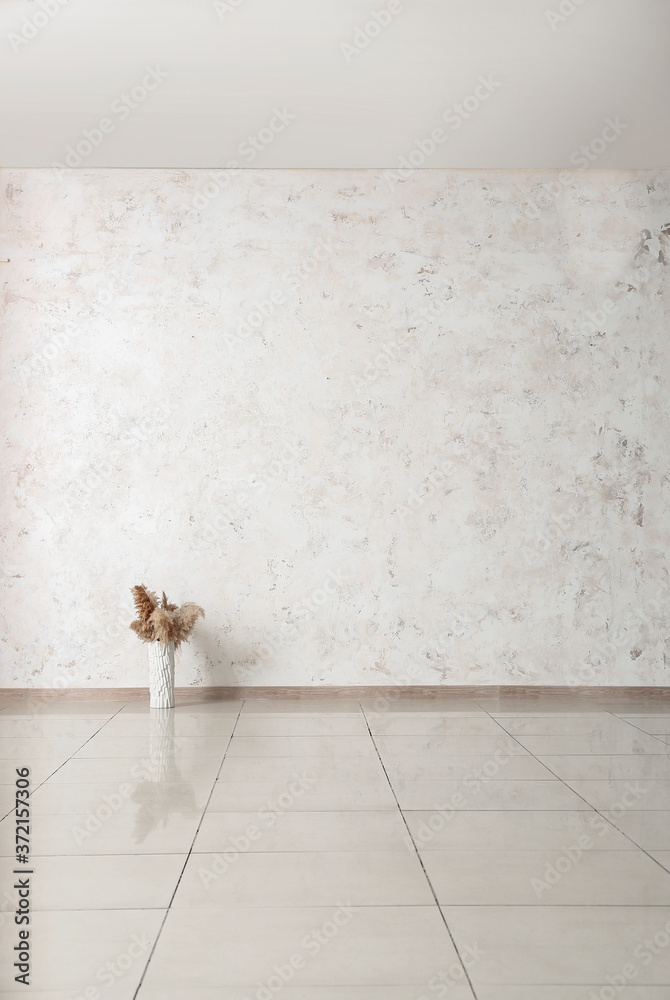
<point x="436" y="766"/>
<point x="238" y="945"/>
<point x="433" y="724"/>
<point x="517" y="992"/>
<point x="40" y="770"/>
<point x="303" y="831"/>
<point x="604" y="766"/>
<point x="616" y="796"/>
<point x="627" y="742"/>
<point x="182" y="766"/>
<point x="293" y="706"/>
<point x="580" y="875"/>
<point x="314" y="878"/>
<point x="654" y="724"/>
<point x="66" y="797"/>
<point x="395" y="702"/>
<point x="109" y="882"/>
<point x="649" y="829"/>
<point x="315" y="769"/>
<point x="302" y="724"/>
<point x="280" y="796"/>
<point x="514" y="830"/>
<point x="73" y="949"/>
<point x="46" y="728"/>
<point x="176" y="724"/>
<point x="24" y="750"/>
<point x="449" y="796"/>
<point x="63" y="708"/>
<point x="140" y="709"/>
<point x="137" y="827"/>
<point x="449" y="746"/>
<point x="183" y="747"/>
<point x="554" y="945"/>
<point x="591" y="724"/>
<point x="456" y="992"/>
<point x="301" y="746"/>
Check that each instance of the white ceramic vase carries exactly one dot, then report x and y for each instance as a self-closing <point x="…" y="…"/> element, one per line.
<point x="162" y="765"/>
<point x="161" y="675"/>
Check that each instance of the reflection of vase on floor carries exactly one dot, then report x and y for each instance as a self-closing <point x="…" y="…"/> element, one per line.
<point x="161" y="674"/>
<point x="162" y="764"/>
<point x="165" y="793"/>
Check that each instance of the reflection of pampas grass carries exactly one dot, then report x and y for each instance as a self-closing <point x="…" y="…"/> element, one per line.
<point x="163" y="621"/>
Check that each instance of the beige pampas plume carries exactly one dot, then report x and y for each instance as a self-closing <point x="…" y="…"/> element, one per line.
<point x="162" y="621"/>
<point x="166" y="604"/>
<point x="162" y="625"/>
<point x="145" y="602"/>
<point x="185" y="619"/>
<point x="144" y="630"/>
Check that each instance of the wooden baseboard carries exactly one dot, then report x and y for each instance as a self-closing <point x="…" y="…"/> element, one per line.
<point x="187" y="695"/>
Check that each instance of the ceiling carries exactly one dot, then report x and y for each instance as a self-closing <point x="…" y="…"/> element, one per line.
<point x="335" y="83"/>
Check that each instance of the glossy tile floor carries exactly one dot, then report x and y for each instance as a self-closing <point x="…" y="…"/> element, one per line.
<point x="509" y="848"/>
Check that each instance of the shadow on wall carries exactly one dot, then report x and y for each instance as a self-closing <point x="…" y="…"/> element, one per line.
<point x="226" y="662"/>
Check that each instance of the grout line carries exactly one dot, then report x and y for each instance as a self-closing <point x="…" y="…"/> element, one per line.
<point x="419" y="858"/>
<point x="190" y="852"/>
<point x="654" y="736"/>
<point x="590" y="804"/>
<point x="67" y="761"/>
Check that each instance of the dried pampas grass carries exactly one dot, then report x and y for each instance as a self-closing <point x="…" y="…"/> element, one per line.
<point x="161" y="621"/>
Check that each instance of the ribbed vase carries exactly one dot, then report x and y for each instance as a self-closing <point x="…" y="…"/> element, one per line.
<point x="161" y="675"/>
<point x="162" y="765"/>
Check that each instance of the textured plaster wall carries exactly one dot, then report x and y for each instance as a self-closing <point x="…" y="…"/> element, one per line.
<point x="366" y="423"/>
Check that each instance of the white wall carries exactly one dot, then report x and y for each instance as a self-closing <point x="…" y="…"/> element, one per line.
<point x="425" y="418"/>
<point x="362" y="90"/>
